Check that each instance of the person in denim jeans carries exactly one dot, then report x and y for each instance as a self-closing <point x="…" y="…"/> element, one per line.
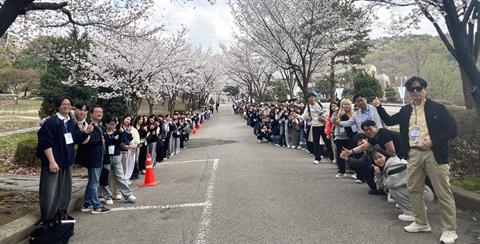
<point x="90" y="155"/>
<point x="113" y="141"/>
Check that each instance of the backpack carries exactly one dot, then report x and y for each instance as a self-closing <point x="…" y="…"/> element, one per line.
<point x="55" y="231"/>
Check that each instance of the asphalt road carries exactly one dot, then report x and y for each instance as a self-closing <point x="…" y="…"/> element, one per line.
<point x="227" y="188"/>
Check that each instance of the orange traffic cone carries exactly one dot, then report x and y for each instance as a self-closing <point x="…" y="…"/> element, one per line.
<point x="203" y="120"/>
<point x="149" y="174"/>
<point x="194" y="131"/>
<point x="198" y="126"/>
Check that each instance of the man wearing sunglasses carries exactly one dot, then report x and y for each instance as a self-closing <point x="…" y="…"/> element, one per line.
<point x="425" y="129"/>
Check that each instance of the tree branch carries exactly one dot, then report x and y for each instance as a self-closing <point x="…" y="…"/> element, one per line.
<point x="469" y="12"/>
<point x="45" y="6"/>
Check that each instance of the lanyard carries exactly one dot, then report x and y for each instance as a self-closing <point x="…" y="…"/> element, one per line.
<point x="416" y="118"/>
<point x="65" y="126"/>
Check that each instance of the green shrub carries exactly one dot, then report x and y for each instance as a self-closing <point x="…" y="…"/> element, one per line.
<point x="465" y="148"/>
<point x="25" y="152"/>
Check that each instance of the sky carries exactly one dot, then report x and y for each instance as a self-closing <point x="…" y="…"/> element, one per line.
<point x="210" y="25"/>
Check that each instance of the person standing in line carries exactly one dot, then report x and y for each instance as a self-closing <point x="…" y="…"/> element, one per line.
<point x="113" y="142"/>
<point x="140" y="125"/>
<point x="151" y="139"/>
<point x="315" y="114"/>
<point x="364" y="112"/>
<point x="90" y="155"/>
<point x="329" y="130"/>
<point x="426" y="127"/>
<point x="342" y="138"/>
<point x="55" y="149"/>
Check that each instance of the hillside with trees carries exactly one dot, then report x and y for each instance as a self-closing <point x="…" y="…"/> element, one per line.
<point x="419" y="55"/>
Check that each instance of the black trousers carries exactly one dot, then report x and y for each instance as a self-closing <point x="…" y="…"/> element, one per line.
<point x="364" y="171"/>
<point x="317" y="149"/>
<point x="340" y="144"/>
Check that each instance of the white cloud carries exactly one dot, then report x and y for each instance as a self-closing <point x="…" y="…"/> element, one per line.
<point x="208" y="24"/>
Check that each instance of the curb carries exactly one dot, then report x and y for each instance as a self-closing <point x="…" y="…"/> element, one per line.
<point x="18" y="230"/>
<point x="465" y="199"/>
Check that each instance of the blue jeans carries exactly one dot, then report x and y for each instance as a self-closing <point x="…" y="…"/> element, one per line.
<point x="91" y="195"/>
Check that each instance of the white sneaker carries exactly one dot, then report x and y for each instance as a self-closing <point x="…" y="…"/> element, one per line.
<point x="109" y="202"/>
<point x="397" y="206"/>
<point x="259" y="141"/>
<point x="118" y="196"/>
<point x="406" y="217"/>
<point x="316" y="162"/>
<point x="414" y="228"/>
<point x="340" y="175"/>
<point x="448" y="237"/>
<point x="132" y="199"/>
<point x="359" y="182"/>
<point x="354" y="176"/>
<point x="390" y="199"/>
<point x="102" y="200"/>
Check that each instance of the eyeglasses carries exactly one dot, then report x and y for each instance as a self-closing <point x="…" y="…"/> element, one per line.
<point x="415" y="88"/>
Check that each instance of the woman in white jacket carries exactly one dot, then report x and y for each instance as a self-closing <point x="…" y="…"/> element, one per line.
<point x="392" y="172"/>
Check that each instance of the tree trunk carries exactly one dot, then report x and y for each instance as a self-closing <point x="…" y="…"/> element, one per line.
<point x="332" y="79"/>
<point x="150" y="107"/>
<point x="25" y="92"/>
<point x="468" y="98"/>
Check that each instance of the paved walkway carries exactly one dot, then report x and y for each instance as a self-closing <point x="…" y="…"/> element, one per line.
<point x="31" y="183"/>
<point x="8" y="133"/>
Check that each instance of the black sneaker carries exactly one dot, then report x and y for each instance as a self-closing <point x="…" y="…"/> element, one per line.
<point x="374" y="192"/>
<point x="377" y="192"/>
<point x="86" y="208"/>
<point x="100" y="210"/>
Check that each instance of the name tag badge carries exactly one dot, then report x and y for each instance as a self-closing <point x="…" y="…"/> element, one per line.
<point x="68" y="138"/>
<point x="111" y="149"/>
<point x="415" y="134"/>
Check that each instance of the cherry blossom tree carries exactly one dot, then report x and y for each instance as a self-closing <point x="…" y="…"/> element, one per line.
<point x="249" y="69"/>
<point x="296" y="35"/>
<point x="128" y="67"/>
<point x="32" y="16"/>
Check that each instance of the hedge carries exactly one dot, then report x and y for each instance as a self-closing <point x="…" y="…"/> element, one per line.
<point x="465" y="148"/>
<point x="25" y="152"/>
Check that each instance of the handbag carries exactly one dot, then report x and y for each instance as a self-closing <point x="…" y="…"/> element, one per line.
<point x="55" y="231"/>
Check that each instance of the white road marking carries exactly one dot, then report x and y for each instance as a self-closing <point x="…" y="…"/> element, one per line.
<point x="207" y="210"/>
<point x="185" y="205"/>
<point x="182" y="162"/>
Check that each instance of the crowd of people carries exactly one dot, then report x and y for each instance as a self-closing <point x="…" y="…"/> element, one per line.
<point x="409" y="167"/>
<point x="113" y="149"/>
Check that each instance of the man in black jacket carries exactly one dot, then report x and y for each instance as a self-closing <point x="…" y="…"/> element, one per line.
<point x="90" y="155"/>
<point x="425" y="128"/>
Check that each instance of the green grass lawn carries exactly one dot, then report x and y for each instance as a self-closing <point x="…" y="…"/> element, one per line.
<point x="19" y="116"/>
<point x="24" y="107"/>
<point x="471" y="183"/>
<point x="8" y="144"/>
<point x="14" y="122"/>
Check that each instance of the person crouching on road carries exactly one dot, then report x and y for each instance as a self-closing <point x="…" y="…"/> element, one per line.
<point x="393" y="172"/>
<point x="113" y="141"/>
